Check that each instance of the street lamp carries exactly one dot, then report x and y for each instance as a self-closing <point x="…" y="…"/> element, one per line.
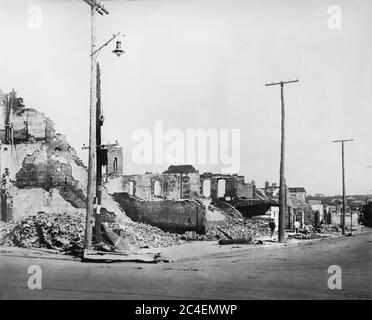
<point x="118" y="51"/>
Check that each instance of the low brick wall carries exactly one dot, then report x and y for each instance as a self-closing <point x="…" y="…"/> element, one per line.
<point x="174" y="216"/>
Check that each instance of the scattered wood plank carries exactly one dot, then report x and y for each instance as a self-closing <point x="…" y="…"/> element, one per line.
<point x="98" y="256"/>
<point x="235" y="241"/>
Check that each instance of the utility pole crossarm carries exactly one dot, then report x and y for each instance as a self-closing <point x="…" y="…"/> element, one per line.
<point x="97" y="6"/>
<point x="343" y="140"/>
<point x="281" y="82"/>
<point x="101" y="146"/>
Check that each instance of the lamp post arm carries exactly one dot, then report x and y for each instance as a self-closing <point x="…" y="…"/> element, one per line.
<point x="105" y="44"/>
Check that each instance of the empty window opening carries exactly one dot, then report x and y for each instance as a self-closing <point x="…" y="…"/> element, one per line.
<point x="221" y="188"/>
<point x="115" y="164"/>
<point x="207" y="188"/>
<point x="157" y="189"/>
<point x="131" y="187"/>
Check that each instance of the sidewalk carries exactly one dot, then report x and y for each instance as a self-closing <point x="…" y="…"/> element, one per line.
<point x="201" y="249"/>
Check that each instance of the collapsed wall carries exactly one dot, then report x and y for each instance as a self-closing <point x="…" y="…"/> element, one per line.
<point x="49" y="177"/>
<point x="169" y="215"/>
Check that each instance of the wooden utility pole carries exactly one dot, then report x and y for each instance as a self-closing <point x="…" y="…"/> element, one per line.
<point x="282" y="189"/>
<point x="343" y="184"/>
<point x="102" y="152"/>
<point x="94" y="7"/>
<point x="99" y="123"/>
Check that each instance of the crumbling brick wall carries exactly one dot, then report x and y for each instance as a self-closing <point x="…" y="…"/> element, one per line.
<point x="114" y="161"/>
<point x="37" y="172"/>
<point x="143" y="185"/>
<point x="235" y="185"/>
<point x="297" y="198"/>
<point x="176" y="186"/>
<point x="173" y="186"/>
<point x="31" y="124"/>
<point x="175" y="216"/>
<point x="190" y="185"/>
<point x="45" y="175"/>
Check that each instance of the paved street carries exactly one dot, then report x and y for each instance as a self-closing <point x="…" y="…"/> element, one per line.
<point x="298" y="272"/>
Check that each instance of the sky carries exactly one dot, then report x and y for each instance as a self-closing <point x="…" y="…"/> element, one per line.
<point x="203" y="64"/>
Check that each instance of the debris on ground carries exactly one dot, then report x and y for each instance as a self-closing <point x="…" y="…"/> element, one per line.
<point x="143" y="235"/>
<point x="94" y="256"/>
<point x="328" y="228"/>
<point x="232" y="228"/>
<point x="65" y="233"/>
<point x="235" y="241"/>
<point x="309" y="232"/>
<point x="110" y="241"/>
<point x="302" y="236"/>
<point x="62" y="232"/>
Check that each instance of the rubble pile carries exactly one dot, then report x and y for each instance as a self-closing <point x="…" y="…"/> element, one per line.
<point x="232" y="228"/>
<point x="65" y="233"/>
<point x="303" y="236"/>
<point x="62" y="232"/>
<point x="309" y="232"/>
<point x="328" y="228"/>
<point x="143" y="235"/>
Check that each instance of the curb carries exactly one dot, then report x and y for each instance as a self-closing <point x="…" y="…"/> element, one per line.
<point x="37" y="255"/>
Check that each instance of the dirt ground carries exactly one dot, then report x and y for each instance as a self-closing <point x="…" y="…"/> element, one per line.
<point x="292" y="272"/>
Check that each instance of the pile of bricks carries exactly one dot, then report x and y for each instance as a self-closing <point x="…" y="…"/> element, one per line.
<point x="328" y="228"/>
<point x="62" y="232"/>
<point x="65" y="233"/>
<point x="233" y="228"/>
<point x="143" y="235"/>
<point x="302" y="236"/>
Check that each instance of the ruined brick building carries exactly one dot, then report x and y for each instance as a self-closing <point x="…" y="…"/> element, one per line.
<point x="185" y="182"/>
<point x="39" y="169"/>
<point x="178" y="197"/>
